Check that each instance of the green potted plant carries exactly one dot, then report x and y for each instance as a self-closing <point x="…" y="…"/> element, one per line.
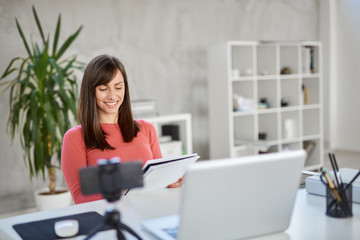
<point x="43" y="96"/>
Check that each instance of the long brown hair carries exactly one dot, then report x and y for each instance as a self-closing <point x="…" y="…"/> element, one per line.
<point x="100" y="71"/>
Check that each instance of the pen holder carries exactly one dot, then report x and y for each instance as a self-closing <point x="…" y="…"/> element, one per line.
<point x="342" y="209"/>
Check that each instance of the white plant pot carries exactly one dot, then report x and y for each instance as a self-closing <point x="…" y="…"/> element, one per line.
<point x="46" y="202"/>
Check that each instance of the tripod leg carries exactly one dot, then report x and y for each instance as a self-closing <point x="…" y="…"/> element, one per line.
<point x="129" y="230"/>
<point x="94" y="231"/>
<point x="120" y="235"/>
<point x="112" y="219"/>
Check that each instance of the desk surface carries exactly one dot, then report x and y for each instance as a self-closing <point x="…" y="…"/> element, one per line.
<point x="308" y="220"/>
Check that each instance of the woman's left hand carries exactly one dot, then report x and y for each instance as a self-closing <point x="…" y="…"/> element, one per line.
<point x="176" y="184"/>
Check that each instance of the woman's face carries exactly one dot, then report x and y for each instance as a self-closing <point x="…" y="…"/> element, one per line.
<point x="109" y="98"/>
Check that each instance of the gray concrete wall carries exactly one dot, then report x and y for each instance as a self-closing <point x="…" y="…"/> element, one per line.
<point x="163" y="45"/>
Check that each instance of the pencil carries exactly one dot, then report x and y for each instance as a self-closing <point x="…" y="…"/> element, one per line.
<point x="352" y="180"/>
<point x="332" y="187"/>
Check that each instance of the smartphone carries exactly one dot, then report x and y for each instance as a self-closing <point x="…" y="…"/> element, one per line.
<point x="110" y="177"/>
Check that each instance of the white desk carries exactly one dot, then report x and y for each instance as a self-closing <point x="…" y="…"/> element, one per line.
<point x="308" y="220"/>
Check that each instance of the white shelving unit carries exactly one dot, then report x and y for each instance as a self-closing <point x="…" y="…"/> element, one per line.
<point x="185" y="133"/>
<point x="288" y="76"/>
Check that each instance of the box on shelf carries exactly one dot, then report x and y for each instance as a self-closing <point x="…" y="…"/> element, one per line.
<point x="171" y="130"/>
<point x="172" y="148"/>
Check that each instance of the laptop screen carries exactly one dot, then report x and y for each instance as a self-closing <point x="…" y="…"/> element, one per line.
<point x="239" y="197"/>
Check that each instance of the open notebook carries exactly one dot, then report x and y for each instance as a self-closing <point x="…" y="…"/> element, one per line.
<point x="159" y="173"/>
<point x="234" y="198"/>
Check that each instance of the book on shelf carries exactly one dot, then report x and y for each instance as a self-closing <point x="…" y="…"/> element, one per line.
<point x="308" y="60"/>
<point x="312" y="69"/>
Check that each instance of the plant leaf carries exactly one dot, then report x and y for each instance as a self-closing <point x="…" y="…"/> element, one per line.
<point x="43" y="67"/>
<point x="23" y="38"/>
<point x="9" y="70"/>
<point x="56" y="36"/>
<point x="60" y="71"/>
<point x="38" y="24"/>
<point x="67" y="43"/>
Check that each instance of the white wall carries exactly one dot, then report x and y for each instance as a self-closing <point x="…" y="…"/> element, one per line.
<point x="324" y="37"/>
<point x="345" y="75"/>
<point x="163" y="44"/>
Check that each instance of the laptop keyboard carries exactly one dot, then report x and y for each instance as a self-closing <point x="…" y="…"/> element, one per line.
<point x="172" y="231"/>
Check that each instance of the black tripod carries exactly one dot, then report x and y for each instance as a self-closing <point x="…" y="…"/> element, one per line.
<point x="113" y="179"/>
<point x="112" y="220"/>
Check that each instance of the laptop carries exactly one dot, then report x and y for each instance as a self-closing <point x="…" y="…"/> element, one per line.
<point x="234" y="198"/>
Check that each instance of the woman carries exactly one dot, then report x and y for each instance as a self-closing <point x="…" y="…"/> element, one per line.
<point x="107" y="126"/>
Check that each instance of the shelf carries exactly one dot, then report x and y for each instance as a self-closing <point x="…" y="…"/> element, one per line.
<point x="274" y="73"/>
<point x="263" y="53"/>
<point x="243" y="128"/>
<point x="311" y="137"/>
<point x="311" y="75"/>
<point x="289" y="76"/>
<point x="311" y="106"/>
<point x="290" y="109"/>
<point x="311" y="127"/>
<point x="266" y="77"/>
<point x="244" y="113"/>
<point x="267" y="127"/>
<point x="289" y="58"/>
<point x="267" y="91"/>
<point x="185" y="132"/>
<point x="311" y="90"/>
<point x="267" y="110"/>
<point x="242" y="79"/>
<point x="258" y="145"/>
<point x="290" y="140"/>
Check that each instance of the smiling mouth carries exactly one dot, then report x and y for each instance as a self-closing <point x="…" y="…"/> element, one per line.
<point x="111" y="103"/>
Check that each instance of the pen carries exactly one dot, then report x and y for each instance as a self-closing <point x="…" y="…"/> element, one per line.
<point x="340" y="185"/>
<point x="327" y="187"/>
<point x="337" y="170"/>
<point x="334" y="170"/>
<point x="332" y="186"/>
<point x="324" y="169"/>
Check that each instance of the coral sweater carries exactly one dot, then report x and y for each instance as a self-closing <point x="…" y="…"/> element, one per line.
<point x="74" y="155"/>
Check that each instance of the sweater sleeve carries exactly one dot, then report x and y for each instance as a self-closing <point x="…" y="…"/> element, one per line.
<point x="73" y="157"/>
